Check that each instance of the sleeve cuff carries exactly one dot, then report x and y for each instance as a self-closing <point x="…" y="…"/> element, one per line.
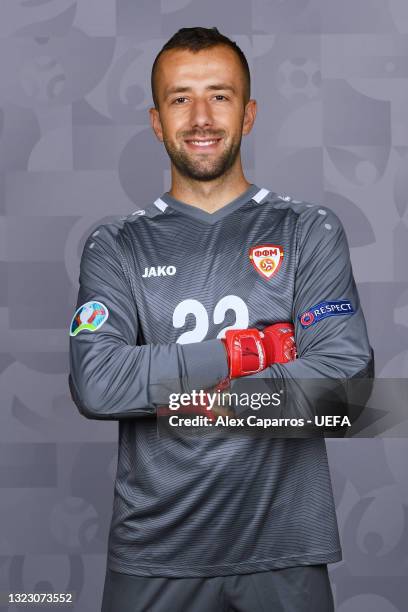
<point x="206" y="363"/>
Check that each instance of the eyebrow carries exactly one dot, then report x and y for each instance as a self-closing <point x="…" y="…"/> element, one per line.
<point x="215" y="87"/>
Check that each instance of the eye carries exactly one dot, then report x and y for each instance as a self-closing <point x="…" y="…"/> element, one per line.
<point x="177" y="100"/>
<point x="221" y="96"/>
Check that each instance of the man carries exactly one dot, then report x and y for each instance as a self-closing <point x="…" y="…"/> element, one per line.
<point x="213" y="523"/>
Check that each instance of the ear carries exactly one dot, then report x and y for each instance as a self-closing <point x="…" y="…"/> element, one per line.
<point x="156" y="123"/>
<point x="249" y="116"/>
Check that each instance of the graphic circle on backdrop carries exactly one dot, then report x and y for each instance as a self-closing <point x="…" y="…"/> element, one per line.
<point x="73" y="522"/>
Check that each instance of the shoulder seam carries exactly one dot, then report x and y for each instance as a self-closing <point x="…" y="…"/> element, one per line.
<point x="123" y="264"/>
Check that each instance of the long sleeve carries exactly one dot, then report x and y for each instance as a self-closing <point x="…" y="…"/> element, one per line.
<point x="330" y="330"/>
<point x="112" y="374"/>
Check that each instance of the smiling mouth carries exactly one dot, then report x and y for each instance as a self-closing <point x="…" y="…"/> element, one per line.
<point x="201" y="143"/>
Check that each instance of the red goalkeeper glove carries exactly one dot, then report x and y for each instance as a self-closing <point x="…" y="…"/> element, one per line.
<point x="250" y="351"/>
<point x="279" y="343"/>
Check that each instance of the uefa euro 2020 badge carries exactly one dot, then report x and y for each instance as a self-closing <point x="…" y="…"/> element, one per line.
<point x="90" y="315"/>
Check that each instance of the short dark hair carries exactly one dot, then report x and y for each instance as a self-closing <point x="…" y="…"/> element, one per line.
<point x="196" y="39"/>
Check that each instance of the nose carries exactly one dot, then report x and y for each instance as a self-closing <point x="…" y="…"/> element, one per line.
<point x="200" y="114"/>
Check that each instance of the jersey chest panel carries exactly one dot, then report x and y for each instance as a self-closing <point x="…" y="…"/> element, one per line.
<point x="192" y="281"/>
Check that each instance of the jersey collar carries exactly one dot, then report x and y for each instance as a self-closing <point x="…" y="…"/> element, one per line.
<point x="252" y="193"/>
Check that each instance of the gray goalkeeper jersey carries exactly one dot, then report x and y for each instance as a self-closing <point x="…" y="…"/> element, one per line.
<point x="158" y="289"/>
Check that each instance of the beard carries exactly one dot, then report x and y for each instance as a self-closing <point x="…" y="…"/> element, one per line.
<point x="203" y="167"/>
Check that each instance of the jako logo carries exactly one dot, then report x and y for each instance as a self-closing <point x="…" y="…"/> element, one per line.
<point x="159" y="271"/>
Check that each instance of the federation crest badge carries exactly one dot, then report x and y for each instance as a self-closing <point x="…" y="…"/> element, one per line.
<point x="266" y="259"/>
<point x="90" y="315"/>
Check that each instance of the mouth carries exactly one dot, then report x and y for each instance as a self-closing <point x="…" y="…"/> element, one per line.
<point x="203" y="144"/>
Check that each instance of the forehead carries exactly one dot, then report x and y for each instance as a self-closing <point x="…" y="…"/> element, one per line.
<point x="187" y="68"/>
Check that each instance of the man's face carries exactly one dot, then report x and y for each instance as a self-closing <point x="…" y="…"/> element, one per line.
<point x="202" y="114"/>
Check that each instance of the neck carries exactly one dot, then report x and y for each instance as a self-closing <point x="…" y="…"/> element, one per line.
<point x="208" y="195"/>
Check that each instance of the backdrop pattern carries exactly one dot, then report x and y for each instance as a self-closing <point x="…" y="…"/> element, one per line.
<point x="331" y="80"/>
